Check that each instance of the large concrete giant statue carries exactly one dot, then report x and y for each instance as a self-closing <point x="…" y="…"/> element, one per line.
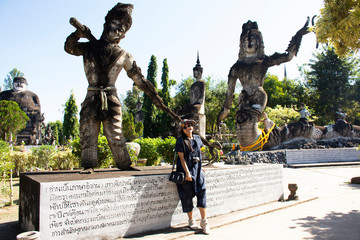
<point x="195" y="109"/>
<point x="250" y="69"/>
<point x="28" y="102"/>
<point x="103" y="61"/>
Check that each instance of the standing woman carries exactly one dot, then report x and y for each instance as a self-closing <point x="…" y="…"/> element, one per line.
<point x="189" y="162"/>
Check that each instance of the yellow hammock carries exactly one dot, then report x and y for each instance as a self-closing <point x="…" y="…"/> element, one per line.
<point x="261" y="139"/>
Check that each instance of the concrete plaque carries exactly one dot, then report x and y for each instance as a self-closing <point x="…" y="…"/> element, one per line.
<point x="108" y="208"/>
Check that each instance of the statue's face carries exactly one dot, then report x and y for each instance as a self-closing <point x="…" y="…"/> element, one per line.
<point x="115" y="31"/>
<point x="250" y="45"/>
<point x="19" y="85"/>
<point x="197" y="74"/>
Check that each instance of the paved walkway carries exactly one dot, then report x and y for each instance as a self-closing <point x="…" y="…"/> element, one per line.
<point x="328" y="208"/>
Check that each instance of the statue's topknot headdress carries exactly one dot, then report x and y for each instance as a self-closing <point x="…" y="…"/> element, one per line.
<point x="248" y="29"/>
<point x="121" y="12"/>
<point x="198" y="65"/>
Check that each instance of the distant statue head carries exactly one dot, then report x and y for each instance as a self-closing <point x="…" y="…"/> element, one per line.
<point x="251" y="41"/>
<point x="197" y="70"/>
<point x="117" y="22"/>
<point x="19" y="84"/>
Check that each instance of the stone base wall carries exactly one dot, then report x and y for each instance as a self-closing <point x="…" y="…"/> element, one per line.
<point x="301" y="156"/>
<point x="322" y="155"/>
<point x="115" y="206"/>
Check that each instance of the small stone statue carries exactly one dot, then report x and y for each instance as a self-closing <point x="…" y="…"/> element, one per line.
<point x="196" y="108"/>
<point x="341" y="126"/>
<point x="250" y="69"/>
<point x="103" y="61"/>
<point x="304" y="114"/>
<point x="340" y="114"/>
<point x="28" y="102"/>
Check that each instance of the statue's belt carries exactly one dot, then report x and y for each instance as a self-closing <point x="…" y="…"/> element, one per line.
<point x="104" y="102"/>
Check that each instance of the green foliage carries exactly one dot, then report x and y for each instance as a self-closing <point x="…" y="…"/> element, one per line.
<point x="70" y="123"/>
<point x="182" y="96"/>
<point x="206" y="152"/>
<point x="5" y="164"/>
<point x="130" y="130"/>
<point x="285" y="93"/>
<point x="63" y="159"/>
<point x="139" y="128"/>
<point x="12" y="118"/>
<point x="150" y="129"/>
<point x="329" y="81"/>
<point x="166" y="148"/>
<point x="339" y="25"/>
<point x="148" y="150"/>
<point x="8" y="81"/>
<point x="163" y="119"/>
<point x="214" y="99"/>
<point x="165" y="84"/>
<point x="56" y="131"/>
<point x="105" y="157"/>
<point x="132" y="98"/>
<point x="41" y="157"/>
<point x="215" y="92"/>
<point x="132" y="153"/>
<point x="282" y="115"/>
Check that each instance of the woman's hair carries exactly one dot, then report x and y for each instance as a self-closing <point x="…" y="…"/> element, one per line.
<point x="187" y="141"/>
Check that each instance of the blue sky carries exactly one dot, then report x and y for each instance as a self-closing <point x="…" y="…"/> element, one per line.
<point x="33" y="35"/>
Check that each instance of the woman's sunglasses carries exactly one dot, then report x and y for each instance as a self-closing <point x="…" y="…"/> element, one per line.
<point x="188" y="125"/>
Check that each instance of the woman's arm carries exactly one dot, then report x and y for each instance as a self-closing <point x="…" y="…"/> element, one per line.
<point x="185" y="167"/>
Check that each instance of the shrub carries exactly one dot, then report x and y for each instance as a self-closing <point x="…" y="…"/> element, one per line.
<point x="41" y="157"/>
<point x="21" y="162"/>
<point x="166" y="149"/>
<point x="105" y="157"/>
<point x="148" y="150"/>
<point x="5" y="164"/>
<point x="63" y="159"/>
<point x="207" y="154"/>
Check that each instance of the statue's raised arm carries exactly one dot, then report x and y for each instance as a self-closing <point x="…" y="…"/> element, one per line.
<point x="293" y="48"/>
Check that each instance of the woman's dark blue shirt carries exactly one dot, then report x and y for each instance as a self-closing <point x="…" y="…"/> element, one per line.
<point x="194" y="168"/>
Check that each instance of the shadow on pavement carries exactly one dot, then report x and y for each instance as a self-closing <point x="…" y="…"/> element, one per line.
<point x="333" y="226"/>
<point x="170" y="230"/>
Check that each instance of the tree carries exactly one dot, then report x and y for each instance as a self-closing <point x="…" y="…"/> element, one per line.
<point x="70" y="123"/>
<point x="12" y="119"/>
<point x="285" y="93"/>
<point x="215" y="97"/>
<point x="131" y="131"/>
<point x="163" y="120"/>
<point x="148" y="107"/>
<point x="339" y="25"/>
<point x="131" y="99"/>
<point x="329" y="80"/>
<point x="8" y="81"/>
<point x="215" y="92"/>
<point x="182" y="96"/>
<point x="57" y="128"/>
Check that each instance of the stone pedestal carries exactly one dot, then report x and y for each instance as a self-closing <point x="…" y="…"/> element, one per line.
<point x="111" y="204"/>
<point x="202" y="125"/>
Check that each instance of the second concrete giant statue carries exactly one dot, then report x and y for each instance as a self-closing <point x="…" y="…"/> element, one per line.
<point x="250" y="69"/>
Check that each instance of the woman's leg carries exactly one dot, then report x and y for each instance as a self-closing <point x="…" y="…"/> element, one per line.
<point x="190" y="215"/>
<point x="202" y="212"/>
